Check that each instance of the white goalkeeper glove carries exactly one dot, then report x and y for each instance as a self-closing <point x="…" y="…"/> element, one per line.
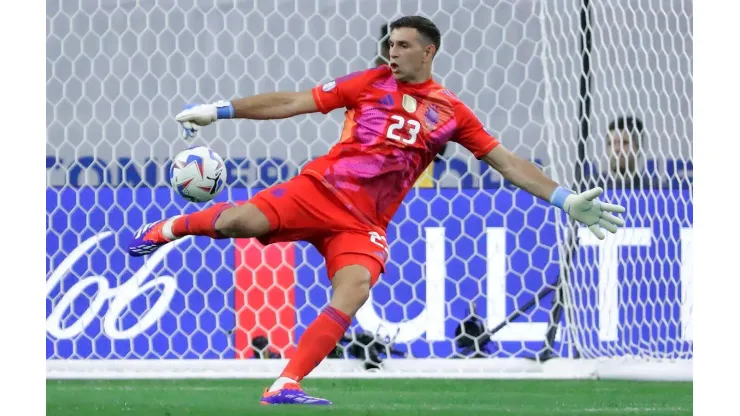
<point x="195" y="116"/>
<point x="587" y="209"/>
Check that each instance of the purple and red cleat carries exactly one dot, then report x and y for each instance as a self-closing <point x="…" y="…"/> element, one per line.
<point x="147" y="239"/>
<point x="291" y="393"/>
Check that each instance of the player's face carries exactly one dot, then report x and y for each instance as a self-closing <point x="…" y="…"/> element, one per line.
<point x="408" y="54"/>
<point x="622" y="153"/>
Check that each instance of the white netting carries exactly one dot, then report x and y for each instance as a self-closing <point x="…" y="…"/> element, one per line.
<point x="117" y="72"/>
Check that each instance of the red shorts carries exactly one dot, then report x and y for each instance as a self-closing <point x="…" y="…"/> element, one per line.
<point x="302" y="209"/>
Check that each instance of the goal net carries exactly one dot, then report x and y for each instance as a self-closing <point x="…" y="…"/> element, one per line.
<point x="483" y="280"/>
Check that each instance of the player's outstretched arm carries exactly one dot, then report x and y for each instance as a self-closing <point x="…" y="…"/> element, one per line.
<point x="584" y="207"/>
<point x="268" y="106"/>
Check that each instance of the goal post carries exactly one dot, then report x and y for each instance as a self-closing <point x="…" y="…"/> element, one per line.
<point x="469" y="252"/>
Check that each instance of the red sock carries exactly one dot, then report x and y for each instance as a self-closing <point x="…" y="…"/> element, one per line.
<point x="200" y="223"/>
<point x="317" y="342"/>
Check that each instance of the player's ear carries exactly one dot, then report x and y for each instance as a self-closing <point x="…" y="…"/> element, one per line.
<point x="429" y="51"/>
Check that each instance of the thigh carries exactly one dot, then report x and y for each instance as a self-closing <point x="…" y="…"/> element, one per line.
<point x="345" y="262"/>
<point x="298" y="209"/>
<point x="367" y="248"/>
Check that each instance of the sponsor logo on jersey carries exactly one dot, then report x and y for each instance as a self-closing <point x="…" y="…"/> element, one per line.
<point x="387" y="101"/>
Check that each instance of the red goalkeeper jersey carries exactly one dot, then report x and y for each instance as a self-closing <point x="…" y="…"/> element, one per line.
<point x="392" y="132"/>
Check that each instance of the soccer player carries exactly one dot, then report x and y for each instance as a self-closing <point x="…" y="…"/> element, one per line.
<point x="397" y="119"/>
<point x="426" y="178"/>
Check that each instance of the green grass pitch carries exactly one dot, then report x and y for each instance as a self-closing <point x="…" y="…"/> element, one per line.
<point x="371" y="397"/>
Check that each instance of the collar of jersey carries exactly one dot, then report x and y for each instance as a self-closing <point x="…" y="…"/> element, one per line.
<point x="425" y="84"/>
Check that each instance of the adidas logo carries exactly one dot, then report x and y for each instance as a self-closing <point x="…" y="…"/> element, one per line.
<point x="387" y="100"/>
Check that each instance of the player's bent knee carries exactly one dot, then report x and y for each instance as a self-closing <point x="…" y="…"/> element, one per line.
<point x="351" y="286"/>
<point x="243" y="221"/>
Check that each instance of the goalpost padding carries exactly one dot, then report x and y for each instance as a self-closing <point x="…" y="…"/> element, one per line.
<point x="117" y="72"/>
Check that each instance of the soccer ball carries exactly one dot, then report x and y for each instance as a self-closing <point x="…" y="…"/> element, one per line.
<point x="198" y="174"/>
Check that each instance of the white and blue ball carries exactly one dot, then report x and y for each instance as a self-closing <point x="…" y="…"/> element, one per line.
<point x="198" y="174"/>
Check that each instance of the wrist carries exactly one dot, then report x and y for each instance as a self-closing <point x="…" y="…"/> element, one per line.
<point x="224" y="110"/>
<point x="559" y="195"/>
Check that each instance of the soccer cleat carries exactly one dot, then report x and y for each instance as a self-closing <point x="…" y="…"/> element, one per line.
<point x="291" y="393"/>
<point x="147" y="239"/>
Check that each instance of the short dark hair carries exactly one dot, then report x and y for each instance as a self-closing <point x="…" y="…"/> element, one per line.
<point x="426" y="28"/>
<point x="632" y="124"/>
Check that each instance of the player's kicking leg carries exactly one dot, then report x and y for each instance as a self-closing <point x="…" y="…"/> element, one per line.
<point x="296" y="210"/>
<point x="351" y="289"/>
<point x="219" y="221"/>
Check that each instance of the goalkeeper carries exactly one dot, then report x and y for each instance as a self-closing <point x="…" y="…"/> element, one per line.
<point x="397" y="119"/>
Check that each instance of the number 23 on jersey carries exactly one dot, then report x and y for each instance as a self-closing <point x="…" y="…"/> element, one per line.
<point x="399" y="123"/>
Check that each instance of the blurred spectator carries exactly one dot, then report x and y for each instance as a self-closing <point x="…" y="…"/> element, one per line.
<point x="624" y="141"/>
<point x="426" y="180"/>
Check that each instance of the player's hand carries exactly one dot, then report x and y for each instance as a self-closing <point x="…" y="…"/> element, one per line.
<point x="195" y="116"/>
<point x="587" y="209"/>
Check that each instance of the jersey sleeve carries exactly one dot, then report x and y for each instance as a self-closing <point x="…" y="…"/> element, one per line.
<point x="341" y="92"/>
<point x="471" y="134"/>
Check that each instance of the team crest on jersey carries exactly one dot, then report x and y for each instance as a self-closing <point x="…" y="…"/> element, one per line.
<point x="329" y="86"/>
<point x="409" y="103"/>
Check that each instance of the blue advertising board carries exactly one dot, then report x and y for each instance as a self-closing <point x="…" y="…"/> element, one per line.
<point x="180" y="303"/>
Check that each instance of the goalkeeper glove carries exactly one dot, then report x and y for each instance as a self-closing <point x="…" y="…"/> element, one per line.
<point x="195" y="116"/>
<point x="587" y="209"/>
